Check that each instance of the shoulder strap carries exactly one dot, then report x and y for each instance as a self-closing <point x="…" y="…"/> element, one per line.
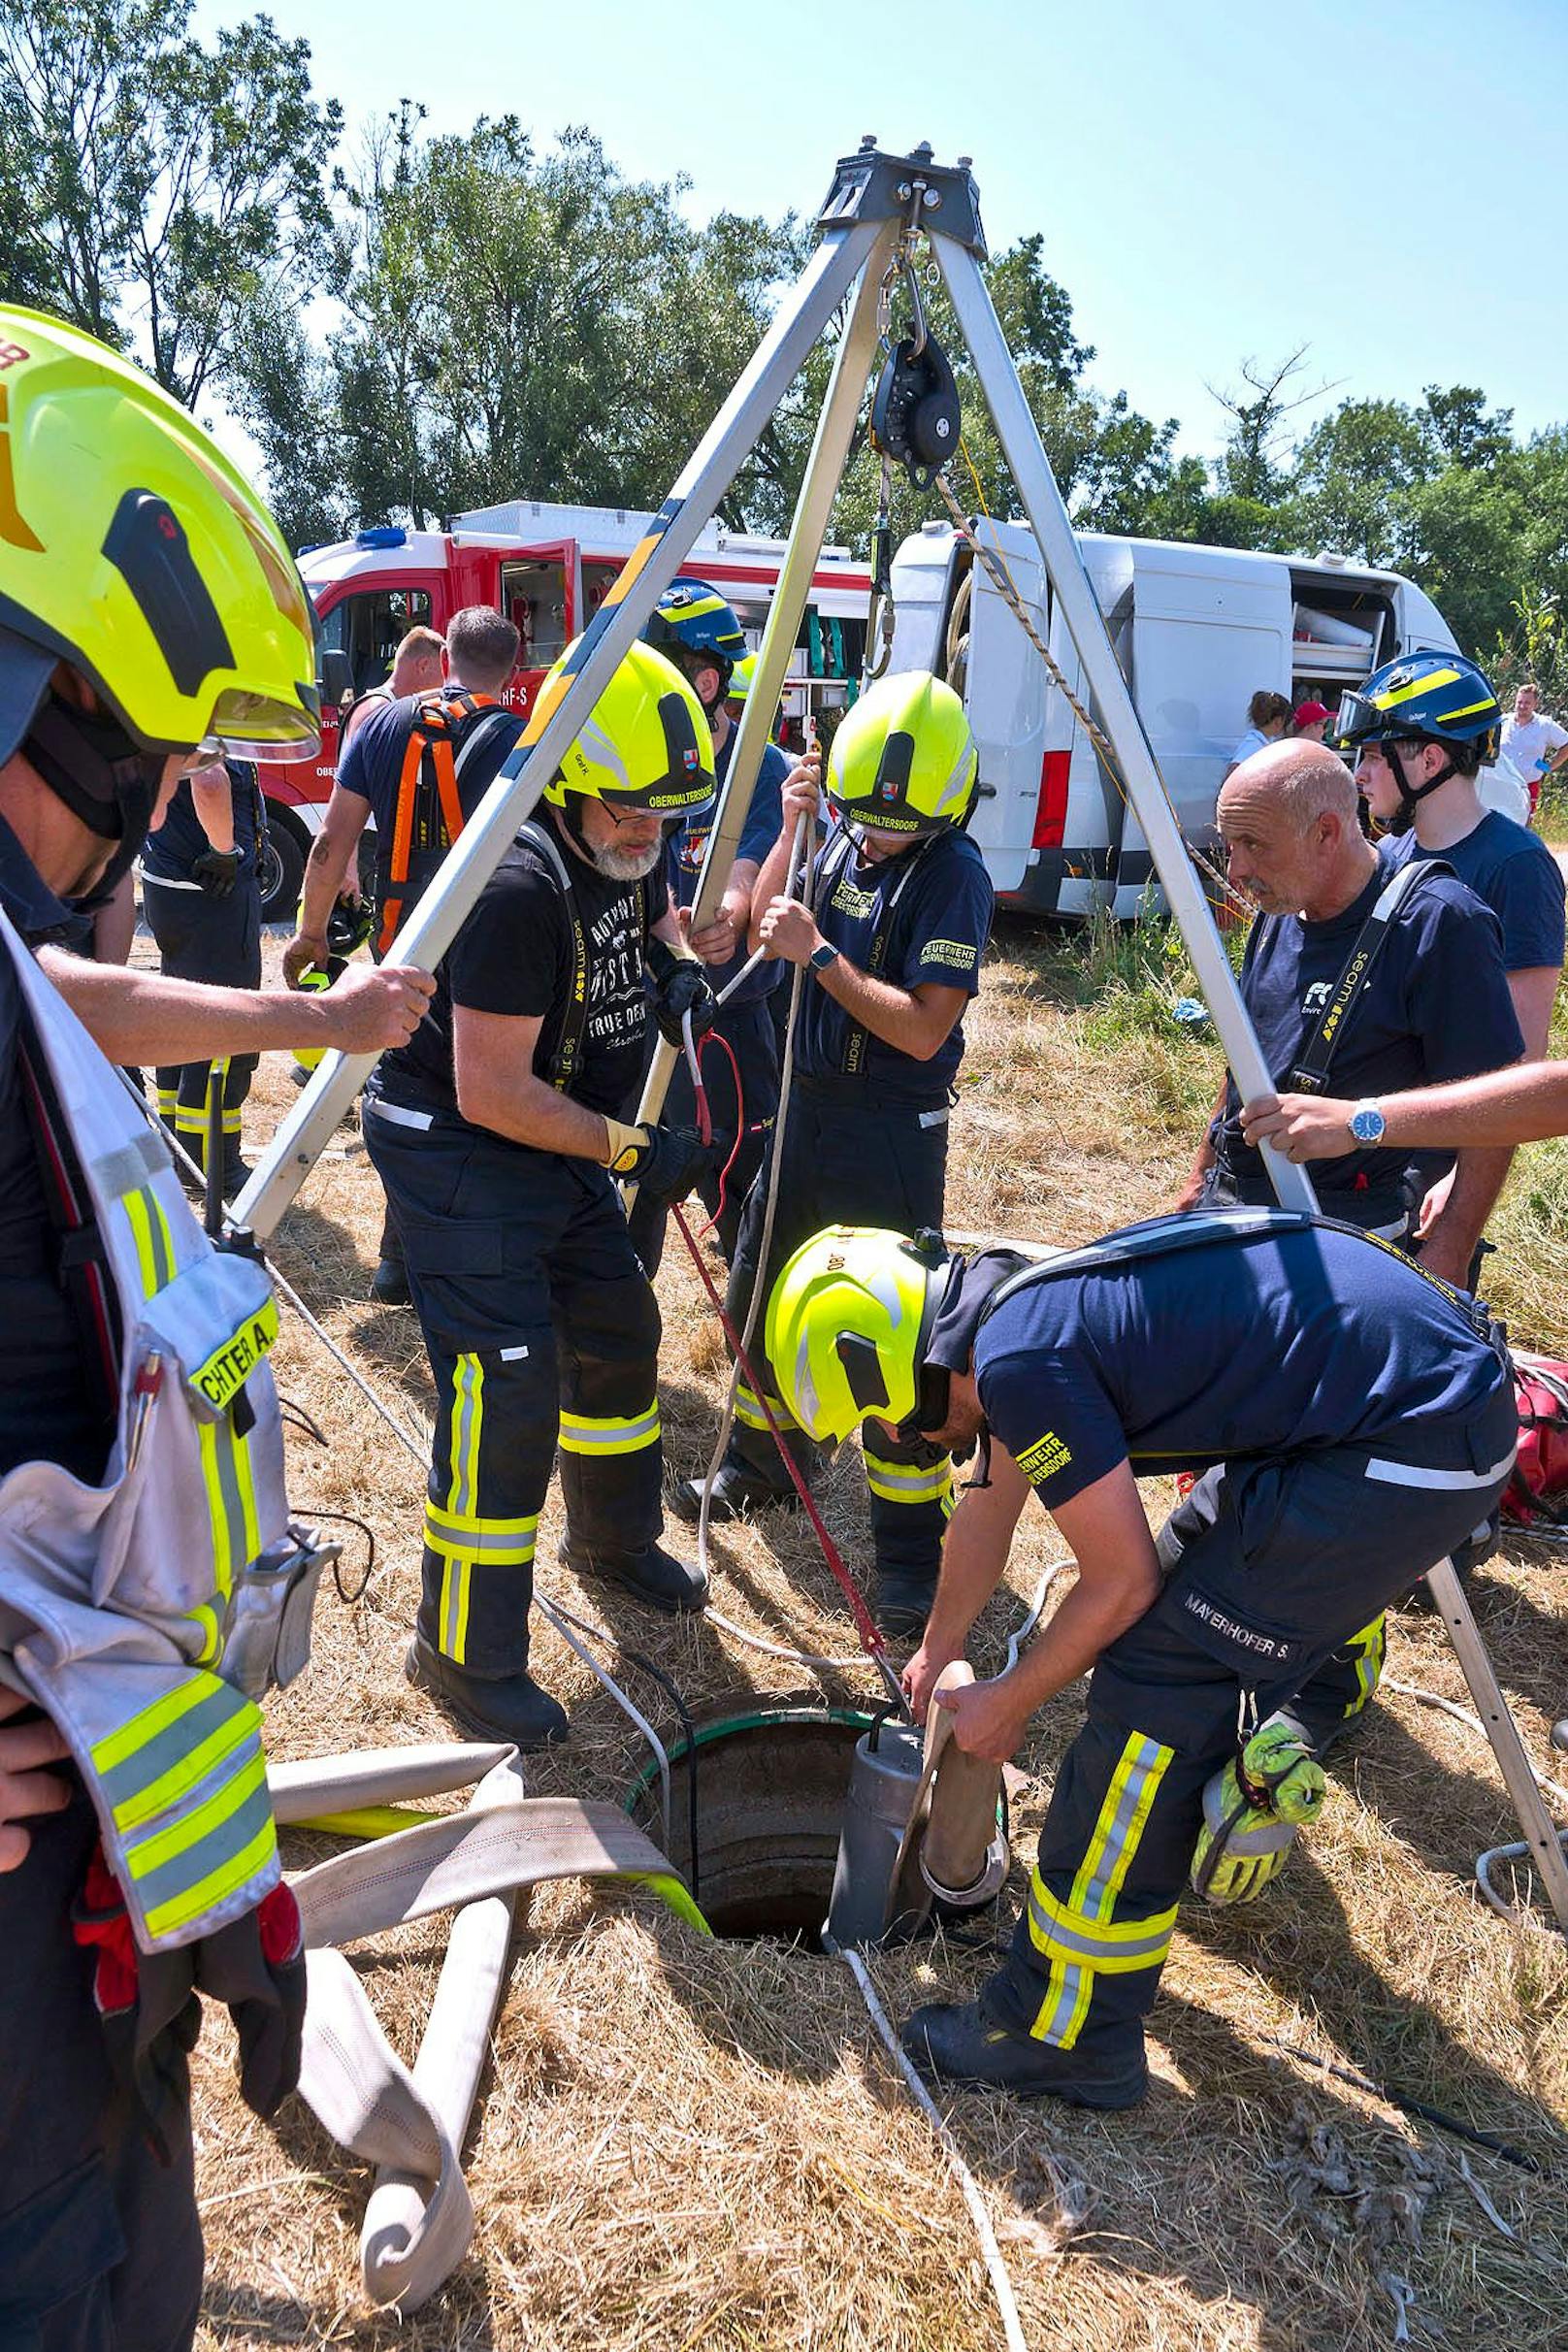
<point x="1200" y="1228"/>
<point x="1310" y="1075"/>
<point x="574" y="1019"/>
<point x="429" y="811"/>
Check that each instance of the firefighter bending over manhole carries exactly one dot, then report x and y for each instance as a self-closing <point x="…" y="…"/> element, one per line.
<point x="1354" y="1421"/>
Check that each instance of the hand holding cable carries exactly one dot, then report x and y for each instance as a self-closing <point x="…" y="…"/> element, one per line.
<point x="682" y="991"/>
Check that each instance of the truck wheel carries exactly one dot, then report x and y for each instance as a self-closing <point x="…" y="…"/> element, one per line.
<point x="280" y="866"/>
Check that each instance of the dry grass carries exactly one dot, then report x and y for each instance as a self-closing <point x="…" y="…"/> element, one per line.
<point x="684" y="2143"/>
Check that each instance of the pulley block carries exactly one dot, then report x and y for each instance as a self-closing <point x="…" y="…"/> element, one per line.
<point x="915" y="410"/>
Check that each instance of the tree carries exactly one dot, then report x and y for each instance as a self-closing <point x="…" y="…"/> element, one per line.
<point x="1459" y="430"/>
<point x="1248" y="470"/>
<point x="167" y="187"/>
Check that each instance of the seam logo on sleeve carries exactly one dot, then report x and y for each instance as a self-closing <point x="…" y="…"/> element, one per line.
<point x="1044" y="1458"/>
<point x="959" y="953"/>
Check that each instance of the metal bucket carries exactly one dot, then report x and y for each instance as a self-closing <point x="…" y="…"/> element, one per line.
<point x="881" y="1795"/>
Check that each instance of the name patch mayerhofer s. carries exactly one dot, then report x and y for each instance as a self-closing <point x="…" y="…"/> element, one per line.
<point x="1251" y="1642"/>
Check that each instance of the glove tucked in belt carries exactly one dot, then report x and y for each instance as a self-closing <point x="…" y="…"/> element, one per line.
<point x="150" y="2014"/>
<point x="1253" y="1812"/>
<point x="217" y="872"/>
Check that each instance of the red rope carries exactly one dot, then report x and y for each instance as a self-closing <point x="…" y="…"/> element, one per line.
<point x="871" y="1641"/>
<point x="713" y="1037"/>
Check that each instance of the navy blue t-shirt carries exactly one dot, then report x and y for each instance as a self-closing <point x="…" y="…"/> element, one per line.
<point x="373" y="764"/>
<point x="1436" y="1007"/>
<point x="1263" y="1344"/>
<point x="942" y="906"/>
<point x="688" y="847"/>
<point x="168" y="854"/>
<point x="1511" y="870"/>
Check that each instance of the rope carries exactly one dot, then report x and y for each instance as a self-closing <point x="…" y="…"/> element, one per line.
<point x="993" y="561"/>
<point x="1001" y="2284"/>
<point x="1516" y="1850"/>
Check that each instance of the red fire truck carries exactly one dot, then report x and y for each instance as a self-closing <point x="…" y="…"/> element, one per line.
<point x="547" y="568"/>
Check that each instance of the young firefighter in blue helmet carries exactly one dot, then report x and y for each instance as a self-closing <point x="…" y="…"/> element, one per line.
<point x="693" y="628"/>
<point x="1363" y="1417"/>
<point x="890" y="933"/>
<point x="495" y="1133"/>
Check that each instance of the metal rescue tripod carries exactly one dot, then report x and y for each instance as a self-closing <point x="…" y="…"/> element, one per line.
<point x="878" y="208"/>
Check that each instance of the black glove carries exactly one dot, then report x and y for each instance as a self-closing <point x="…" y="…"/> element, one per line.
<point x="664" y="1163"/>
<point x="680" y="986"/>
<point x="216" y="870"/>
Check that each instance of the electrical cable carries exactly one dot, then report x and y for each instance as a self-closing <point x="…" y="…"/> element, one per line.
<point x="1001" y="2283"/>
<point x="645" y="1665"/>
<point x="1410" y="2107"/>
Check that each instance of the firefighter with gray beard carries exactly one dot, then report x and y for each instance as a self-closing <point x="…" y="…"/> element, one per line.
<point x="497" y="1135"/>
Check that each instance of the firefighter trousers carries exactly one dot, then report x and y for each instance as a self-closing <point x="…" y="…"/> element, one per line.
<point x="846" y="1162"/>
<point x="217" y="940"/>
<point x="743" y="1119"/>
<point x="540" y="1330"/>
<point x="1269" y="1564"/>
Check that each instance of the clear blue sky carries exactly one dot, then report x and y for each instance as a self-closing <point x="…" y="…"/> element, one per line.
<point x="1213" y="181"/>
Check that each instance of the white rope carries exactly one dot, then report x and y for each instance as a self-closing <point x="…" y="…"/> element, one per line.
<point x="1001" y="2284"/>
<point x="1515" y="1852"/>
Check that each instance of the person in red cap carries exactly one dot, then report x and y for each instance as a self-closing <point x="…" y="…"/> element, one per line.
<point x="1309" y="720"/>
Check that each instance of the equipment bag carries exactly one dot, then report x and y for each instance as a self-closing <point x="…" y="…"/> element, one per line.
<point x="1537" y="1493"/>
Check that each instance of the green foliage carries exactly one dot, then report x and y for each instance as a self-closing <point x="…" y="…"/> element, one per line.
<point x="156" y="190"/>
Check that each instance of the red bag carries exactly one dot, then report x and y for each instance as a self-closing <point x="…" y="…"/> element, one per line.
<point x="1537" y="1494"/>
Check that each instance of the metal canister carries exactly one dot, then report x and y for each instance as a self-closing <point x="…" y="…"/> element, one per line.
<point x="882" y="1784"/>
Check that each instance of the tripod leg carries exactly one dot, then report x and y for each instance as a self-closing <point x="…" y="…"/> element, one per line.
<point x="1536" y="1823"/>
<point x="830" y="451"/>
<point x="1053" y="530"/>
<point x="801" y="319"/>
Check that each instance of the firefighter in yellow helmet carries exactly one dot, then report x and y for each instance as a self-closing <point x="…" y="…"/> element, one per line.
<point x="890" y="932"/>
<point x="1368" y="1416"/>
<point x="497" y="1132"/>
<point x="151" y="620"/>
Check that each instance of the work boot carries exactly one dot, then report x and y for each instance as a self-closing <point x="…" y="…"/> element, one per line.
<point x="653" y="1575"/>
<point x="963" y="2041"/>
<point x="390" y="1284"/>
<point x="738" y="1491"/>
<point x="901" y="1602"/>
<point x="512" y="1707"/>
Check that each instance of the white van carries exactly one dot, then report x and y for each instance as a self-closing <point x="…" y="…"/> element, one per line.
<point x="1196" y="630"/>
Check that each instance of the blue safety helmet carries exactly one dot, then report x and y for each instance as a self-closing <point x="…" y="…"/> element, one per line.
<point x="692" y="618"/>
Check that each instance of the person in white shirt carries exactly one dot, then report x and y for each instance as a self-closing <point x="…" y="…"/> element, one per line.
<point x="1267" y="715"/>
<point x="1534" y="746"/>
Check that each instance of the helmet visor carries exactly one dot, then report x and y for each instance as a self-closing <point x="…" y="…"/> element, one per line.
<point x="1359" y="718"/>
<point x="254" y="726"/>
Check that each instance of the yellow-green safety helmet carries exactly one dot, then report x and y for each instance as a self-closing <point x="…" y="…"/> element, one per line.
<point x="847" y="1322"/>
<point x="646" y="746"/>
<point x="131" y="548"/>
<point x="741" y="678"/>
<point x="904" y="760"/>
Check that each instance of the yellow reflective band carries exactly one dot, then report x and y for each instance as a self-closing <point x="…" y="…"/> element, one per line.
<point x="595" y="1433"/>
<point x="149" y="1230"/>
<point x="454" y="1611"/>
<point x="168" y="1101"/>
<point x="750" y="1411"/>
<point x="211" y="1634"/>
<point x="229" y="1366"/>
<point x="210" y="1891"/>
<point x="116" y="1746"/>
<point x="501" y="1543"/>
<point x="468" y="1424"/>
<point x="1403" y="693"/>
<point x="1468" y="712"/>
<point x="230" y="1500"/>
<point x="1076" y="1936"/>
<point x="188" y="1122"/>
<point x="193" y="1766"/>
<point x="231" y="1123"/>
<point x="191" y="1829"/>
<point x="1370" y="1646"/>
<point x="903" y="1483"/>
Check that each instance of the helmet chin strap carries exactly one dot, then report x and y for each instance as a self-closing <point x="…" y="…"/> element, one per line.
<point x="107" y="783"/>
<point x="1410" y="795"/>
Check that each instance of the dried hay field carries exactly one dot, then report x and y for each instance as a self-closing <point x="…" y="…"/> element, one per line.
<point x="686" y="2143"/>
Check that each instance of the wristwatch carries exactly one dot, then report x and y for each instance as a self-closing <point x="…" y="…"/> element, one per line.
<point x="821" y="956"/>
<point x="1367" y="1122"/>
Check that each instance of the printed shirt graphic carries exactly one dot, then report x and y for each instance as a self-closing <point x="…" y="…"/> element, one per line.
<point x="1249" y="1345"/>
<point x="514" y="955"/>
<point x="939" y="931"/>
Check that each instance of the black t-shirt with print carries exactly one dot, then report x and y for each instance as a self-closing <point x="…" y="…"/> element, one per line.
<point x="516" y="955"/>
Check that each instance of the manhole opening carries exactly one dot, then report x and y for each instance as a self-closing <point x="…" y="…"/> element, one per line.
<point x="770" y="1794"/>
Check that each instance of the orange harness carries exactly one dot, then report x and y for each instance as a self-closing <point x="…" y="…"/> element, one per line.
<point x="429" y="810"/>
